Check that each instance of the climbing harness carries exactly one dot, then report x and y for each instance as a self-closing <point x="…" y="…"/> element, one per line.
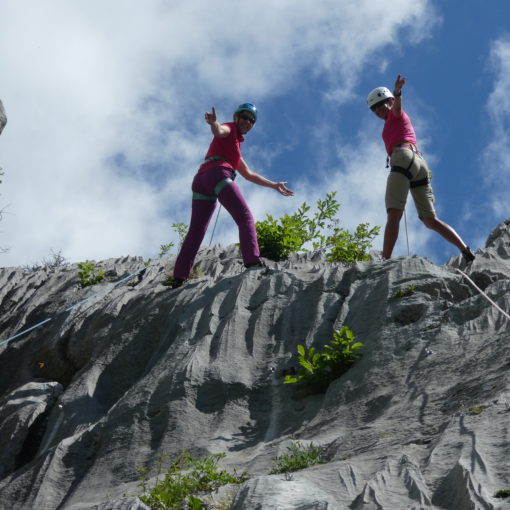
<point x="406" y="171"/>
<point x="215" y="158"/>
<point x="217" y="190"/>
<point x="483" y="293"/>
<point x="220" y="185"/>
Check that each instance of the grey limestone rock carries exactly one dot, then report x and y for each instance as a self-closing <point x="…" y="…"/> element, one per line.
<point x="421" y="421"/>
<point x="3" y="117"/>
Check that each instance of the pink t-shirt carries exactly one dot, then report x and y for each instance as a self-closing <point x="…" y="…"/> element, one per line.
<point x="228" y="148"/>
<point x="397" y="130"/>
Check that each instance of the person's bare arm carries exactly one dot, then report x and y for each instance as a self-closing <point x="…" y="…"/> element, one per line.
<point x="397" y="92"/>
<point x="254" y="177"/>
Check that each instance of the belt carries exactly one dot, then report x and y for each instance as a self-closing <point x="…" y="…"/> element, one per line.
<point x="215" y="158"/>
<point x="410" y="146"/>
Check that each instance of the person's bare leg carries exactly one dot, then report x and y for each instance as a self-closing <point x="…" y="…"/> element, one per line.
<point x="446" y="231"/>
<point x="391" y="231"/>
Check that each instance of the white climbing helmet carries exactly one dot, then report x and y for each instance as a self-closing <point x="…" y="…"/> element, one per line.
<point x="377" y="95"/>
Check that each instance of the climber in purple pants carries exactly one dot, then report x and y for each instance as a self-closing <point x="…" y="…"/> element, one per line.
<point x="215" y="181"/>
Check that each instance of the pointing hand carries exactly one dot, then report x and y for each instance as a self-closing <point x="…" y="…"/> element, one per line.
<point x="210" y="118"/>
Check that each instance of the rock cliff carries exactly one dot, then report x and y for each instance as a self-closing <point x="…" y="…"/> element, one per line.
<point x="3" y="117"/>
<point x="421" y="421"/>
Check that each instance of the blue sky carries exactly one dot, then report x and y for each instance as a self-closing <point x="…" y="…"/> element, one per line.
<point x="105" y="109"/>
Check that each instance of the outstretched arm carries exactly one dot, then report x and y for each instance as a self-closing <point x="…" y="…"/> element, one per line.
<point x="397" y="92"/>
<point x="251" y="176"/>
<point x="218" y="130"/>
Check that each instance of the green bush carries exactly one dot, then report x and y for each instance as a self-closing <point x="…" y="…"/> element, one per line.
<point x="185" y="477"/>
<point x="503" y="493"/>
<point x="320" y="369"/>
<point x="89" y="274"/>
<point x="279" y="238"/>
<point x="345" y="246"/>
<point x="300" y="457"/>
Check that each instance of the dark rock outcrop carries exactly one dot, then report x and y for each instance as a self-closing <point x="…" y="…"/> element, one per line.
<point x="420" y="422"/>
<point x="3" y="117"/>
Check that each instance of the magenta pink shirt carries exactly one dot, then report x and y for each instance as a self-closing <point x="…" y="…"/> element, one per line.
<point x="397" y="130"/>
<point x="228" y="148"/>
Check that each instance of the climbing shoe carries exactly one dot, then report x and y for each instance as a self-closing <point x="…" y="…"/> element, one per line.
<point x="468" y="255"/>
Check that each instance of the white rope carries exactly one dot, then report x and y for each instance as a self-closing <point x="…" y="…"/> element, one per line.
<point x="407" y="235"/>
<point x="483" y="293"/>
<point x="214" y="228"/>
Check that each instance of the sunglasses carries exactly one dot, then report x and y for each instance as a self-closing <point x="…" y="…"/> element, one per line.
<point x="376" y="105"/>
<point x="249" y="118"/>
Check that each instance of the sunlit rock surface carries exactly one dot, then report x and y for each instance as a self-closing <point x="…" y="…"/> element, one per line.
<point x="420" y="422"/>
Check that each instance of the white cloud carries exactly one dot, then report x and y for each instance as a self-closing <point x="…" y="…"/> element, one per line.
<point x="496" y="156"/>
<point x="105" y="103"/>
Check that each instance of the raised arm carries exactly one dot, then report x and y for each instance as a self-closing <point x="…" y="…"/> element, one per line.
<point x="218" y="130"/>
<point x="251" y="176"/>
<point x="397" y="92"/>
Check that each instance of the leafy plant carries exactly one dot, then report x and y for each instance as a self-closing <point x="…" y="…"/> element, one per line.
<point x="165" y="248"/>
<point x="185" y="477"/>
<point x="320" y="369"/>
<point x="476" y="409"/>
<point x="301" y="456"/>
<point x="89" y="274"/>
<point x="503" y="493"/>
<point x="403" y="292"/>
<point x="181" y="230"/>
<point x="349" y="247"/>
<point x="279" y="238"/>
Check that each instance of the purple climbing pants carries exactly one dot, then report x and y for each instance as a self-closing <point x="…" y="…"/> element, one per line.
<point x="232" y="200"/>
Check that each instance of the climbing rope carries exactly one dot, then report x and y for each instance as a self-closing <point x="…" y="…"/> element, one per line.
<point x="214" y="228"/>
<point x="483" y="293"/>
<point x="407" y="235"/>
<point x="76" y="305"/>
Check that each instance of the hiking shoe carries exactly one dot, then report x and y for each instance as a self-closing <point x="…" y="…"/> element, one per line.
<point x="176" y="283"/>
<point x="468" y="255"/>
<point x="255" y="265"/>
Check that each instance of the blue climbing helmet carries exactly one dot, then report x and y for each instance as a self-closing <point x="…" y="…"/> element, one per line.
<point x="247" y="107"/>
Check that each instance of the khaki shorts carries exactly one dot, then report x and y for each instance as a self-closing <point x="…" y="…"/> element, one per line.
<point x="398" y="185"/>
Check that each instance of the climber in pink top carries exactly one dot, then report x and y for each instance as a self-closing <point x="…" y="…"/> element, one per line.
<point x="215" y="181"/>
<point x="409" y="171"/>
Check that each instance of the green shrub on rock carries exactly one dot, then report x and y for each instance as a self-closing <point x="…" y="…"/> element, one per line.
<point x="301" y="456"/>
<point x="279" y="238"/>
<point x="185" y="478"/>
<point x="320" y="369"/>
<point x="89" y="274"/>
